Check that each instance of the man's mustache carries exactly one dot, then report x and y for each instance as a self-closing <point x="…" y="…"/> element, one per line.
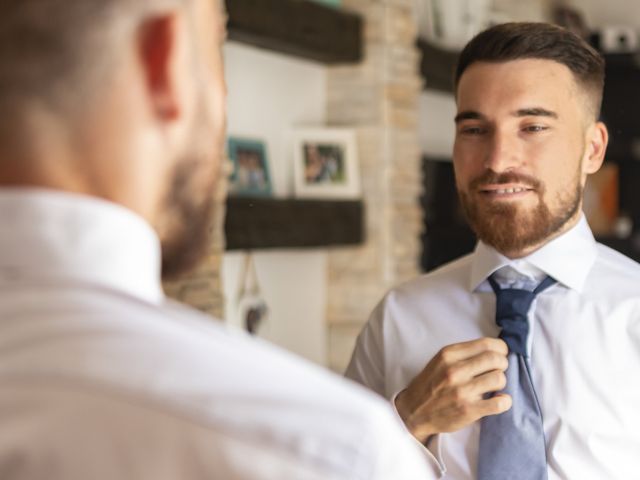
<point x="492" y="178"/>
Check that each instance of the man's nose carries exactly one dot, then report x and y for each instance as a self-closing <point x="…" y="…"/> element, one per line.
<point x="503" y="153"/>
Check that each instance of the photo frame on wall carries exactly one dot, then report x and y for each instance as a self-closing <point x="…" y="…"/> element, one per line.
<point x="325" y="163"/>
<point x="331" y="3"/>
<point x="250" y="175"/>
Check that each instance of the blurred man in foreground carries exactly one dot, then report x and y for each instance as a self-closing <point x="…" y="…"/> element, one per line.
<point x="110" y="142"/>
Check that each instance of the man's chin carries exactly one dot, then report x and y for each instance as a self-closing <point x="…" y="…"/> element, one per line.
<point x="506" y="227"/>
<point x="188" y="242"/>
<point x="516" y="227"/>
<point x="183" y="255"/>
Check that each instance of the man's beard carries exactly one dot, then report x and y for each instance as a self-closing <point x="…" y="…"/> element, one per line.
<point x="188" y="209"/>
<point x="508" y="227"/>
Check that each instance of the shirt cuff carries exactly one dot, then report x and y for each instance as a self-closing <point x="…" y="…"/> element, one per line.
<point x="432" y="448"/>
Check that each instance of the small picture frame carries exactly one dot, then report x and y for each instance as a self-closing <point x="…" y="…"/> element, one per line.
<point x="250" y="176"/>
<point x="325" y="163"/>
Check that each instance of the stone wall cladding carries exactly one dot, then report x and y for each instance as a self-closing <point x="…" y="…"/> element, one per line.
<point x="379" y="99"/>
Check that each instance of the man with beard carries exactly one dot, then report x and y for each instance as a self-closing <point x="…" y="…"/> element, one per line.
<point x="110" y="144"/>
<point x="556" y="394"/>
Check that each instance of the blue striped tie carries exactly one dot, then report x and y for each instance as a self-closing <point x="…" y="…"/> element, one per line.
<point x="512" y="445"/>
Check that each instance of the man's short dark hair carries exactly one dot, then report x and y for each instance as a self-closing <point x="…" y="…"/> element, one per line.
<point x="530" y="40"/>
<point x="54" y="51"/>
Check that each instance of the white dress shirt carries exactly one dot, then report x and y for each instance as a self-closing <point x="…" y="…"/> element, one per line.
<point x="584" y="344"/>
<point x="101" y="377"/>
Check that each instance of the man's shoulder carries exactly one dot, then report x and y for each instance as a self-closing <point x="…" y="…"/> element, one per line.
<point x="154" y="351"/>
<point x="614" y="260"/>
<point x="178" y="362"/>
<point x="90" y="434"/>
<point x="616" y="270"/>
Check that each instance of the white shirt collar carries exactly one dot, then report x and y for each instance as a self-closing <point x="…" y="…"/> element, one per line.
<point x="567" y="258"/>
<point x="57" y="236"/>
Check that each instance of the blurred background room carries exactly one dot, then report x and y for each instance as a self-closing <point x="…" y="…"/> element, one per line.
<point x="339" y="182"/>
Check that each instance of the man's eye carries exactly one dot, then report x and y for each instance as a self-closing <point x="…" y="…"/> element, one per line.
<point x="472" y="130"/>
<point x="535" y="128"/>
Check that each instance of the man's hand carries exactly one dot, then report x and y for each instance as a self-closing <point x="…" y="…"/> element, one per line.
<point x="449" y="393"/>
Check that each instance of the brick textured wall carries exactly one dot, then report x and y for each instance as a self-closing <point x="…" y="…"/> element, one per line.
<point x="379" y="98"/>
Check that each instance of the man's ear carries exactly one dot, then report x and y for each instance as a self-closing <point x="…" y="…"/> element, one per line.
<point x="158" y="49"/>
<point x="597" y="141"/>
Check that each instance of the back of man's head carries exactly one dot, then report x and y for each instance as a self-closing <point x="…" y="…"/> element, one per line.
<point x="118" y="99"/>
<point x="57" y="52"/>
<point x="531" y="40"/>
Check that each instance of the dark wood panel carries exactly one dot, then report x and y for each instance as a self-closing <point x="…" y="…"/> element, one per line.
<point x="265" y="223"/>
<point x="296" y="27"/>
<point x="446" y="233"/>
<point x="437" y="66"/>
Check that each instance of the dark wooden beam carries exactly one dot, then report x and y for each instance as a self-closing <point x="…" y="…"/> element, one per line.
<point x="297" y="27"/>
<point x="266" y="223"/>
<point x="437" y="66"/>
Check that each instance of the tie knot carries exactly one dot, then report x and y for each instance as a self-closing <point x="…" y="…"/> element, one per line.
<point x="509" y="277"/>
<point x="512" y="308"/>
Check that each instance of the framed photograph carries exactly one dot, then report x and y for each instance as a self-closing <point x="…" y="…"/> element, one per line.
<point x="250" y="176"/>
<point x="332" y="3"/>
<point x="325" y="163"/>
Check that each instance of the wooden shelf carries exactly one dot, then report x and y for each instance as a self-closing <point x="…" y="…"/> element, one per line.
<point x="437" y="66"/>
<point x="267" y="223"/>
<point x="297" y="27"/>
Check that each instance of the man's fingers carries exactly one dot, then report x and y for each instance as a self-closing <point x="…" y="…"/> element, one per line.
<point x="478" y="388"/>
<point x="449" y="392"/>
<point x="462" y="351"/>
<point x="483" y="363"/>
<point x="497" y="404"/>
<point x="488" y="382"/>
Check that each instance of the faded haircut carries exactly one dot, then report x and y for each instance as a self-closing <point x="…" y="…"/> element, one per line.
<point x="56" y="52"/>
<point x="530" y="40"/>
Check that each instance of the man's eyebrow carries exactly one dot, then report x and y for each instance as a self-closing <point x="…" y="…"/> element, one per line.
<point x="522" y="112"/>
<point x="469" y="115"/>
<point x="535" y="112"/>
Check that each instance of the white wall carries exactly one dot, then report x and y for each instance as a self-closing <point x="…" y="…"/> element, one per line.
<point x="437" y="130"/>
<point x="520" y="10"/>
<point x="294" y="285"/>
<point x="270" y="93"/>
<point x="451" y="23"/>
<point x="599" y="13"/>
